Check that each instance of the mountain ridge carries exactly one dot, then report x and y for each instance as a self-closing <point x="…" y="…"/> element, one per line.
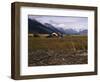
<point x="35" y="26"/>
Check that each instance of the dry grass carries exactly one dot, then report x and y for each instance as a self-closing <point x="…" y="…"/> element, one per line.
<point x="57" y="51"/>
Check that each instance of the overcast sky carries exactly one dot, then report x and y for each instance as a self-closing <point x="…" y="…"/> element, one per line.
<point x="65" y="22"/>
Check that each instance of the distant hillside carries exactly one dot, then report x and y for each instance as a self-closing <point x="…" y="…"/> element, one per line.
<point x="37" y="27"/>
<point x="53" y="28"/>
<point x="83" y="32"/>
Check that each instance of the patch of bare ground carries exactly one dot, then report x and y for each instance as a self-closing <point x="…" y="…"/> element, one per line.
<point x="51" y="57"/>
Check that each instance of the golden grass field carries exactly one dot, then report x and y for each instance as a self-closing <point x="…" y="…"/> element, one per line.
<point x="68" y="50"/>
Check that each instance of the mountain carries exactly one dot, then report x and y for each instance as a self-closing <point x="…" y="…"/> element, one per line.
<point x="46" y="28"/>
<point x="62" y="30"/>
<point x="73" y="31"/>
<point x="53" y="28"/>
<point x="68" y="31"/>
<point x="83" y="32"/>
<point x="37" y="27"/>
